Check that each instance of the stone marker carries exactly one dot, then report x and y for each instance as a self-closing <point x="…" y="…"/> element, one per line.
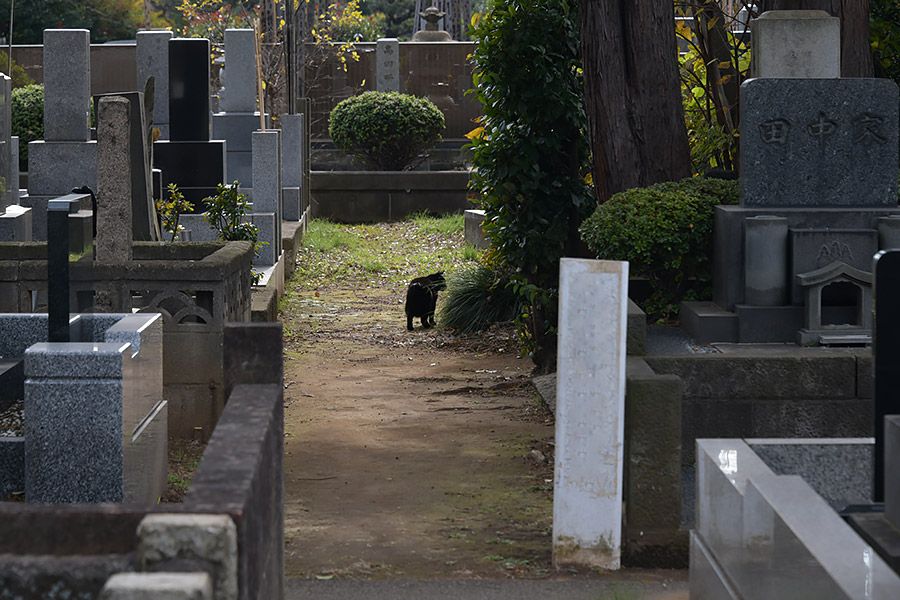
<point x="590" y="413"/>
<point x="153" y="61"/>
<point x="9" y="186"/>
<point x="292" y="146"/>
<point x="67" y="85"/>
<point x="387" y="70"/>
<point x="189" y="89"/>
<point x="114" y="196"/>
<point x="819" y="142"/>
<point x="796" y="43"/>
<point x="240" y="71"/>
<point x="885" y="353"/>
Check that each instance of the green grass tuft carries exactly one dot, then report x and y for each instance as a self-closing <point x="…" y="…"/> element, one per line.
<point x="477" y="297"/>
<point x="444" y="225"/>
<point x="323" y="235"/>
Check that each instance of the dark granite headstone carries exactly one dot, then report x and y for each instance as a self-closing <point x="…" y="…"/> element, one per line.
<point x="58" y="270"/>
<point x="189" y="89"/>
<point x="819" y="142"/>
<point x="885" y="353"/>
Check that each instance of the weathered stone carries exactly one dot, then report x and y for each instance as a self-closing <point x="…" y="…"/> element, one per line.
<point x="387" y="69"/>
<point x="114" y="193"/>
<point x="819" y="142"/>
<point x="796" y="43"/>
<point x="153" y="586"/>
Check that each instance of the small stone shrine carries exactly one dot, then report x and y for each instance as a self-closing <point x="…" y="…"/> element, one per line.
<point x="819" y="162"/>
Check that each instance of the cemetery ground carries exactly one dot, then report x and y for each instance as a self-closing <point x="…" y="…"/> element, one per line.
<point x="410" y="454"/>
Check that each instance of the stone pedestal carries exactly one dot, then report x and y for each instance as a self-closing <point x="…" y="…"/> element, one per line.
<point x="15" y="224"/>
<point x="796" y="43"/>
<point x="590" y="413"/>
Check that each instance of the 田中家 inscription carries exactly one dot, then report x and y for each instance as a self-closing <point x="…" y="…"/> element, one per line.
<point x="819" y="142"/>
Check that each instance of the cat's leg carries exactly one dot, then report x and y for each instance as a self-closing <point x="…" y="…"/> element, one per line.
<point x="409" y="324"/>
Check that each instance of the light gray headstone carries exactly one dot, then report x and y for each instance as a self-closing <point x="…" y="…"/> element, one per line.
<point x="114" y="194"/>
<point x="796" y="43"/>
<point x="67" y="85"/>
<point x="153" y="60"/>
<point x="292" y="150"/>
<point x="387" y="69"/>
<point x="266" y="171"/>
<point x="9" y="190"/>
<point x="240" y="66"/>
<point x="819" y="142"/>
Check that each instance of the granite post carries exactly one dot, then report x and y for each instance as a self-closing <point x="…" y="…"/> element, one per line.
<point x="267" y="191"/>
<point x="387" y="70"/>
<point x="114" y="195"/>
<point x="292" y="145"/>
<point x="153" y="61"/>
<point x="590" y="413"/>
<point x="9" y="190"/>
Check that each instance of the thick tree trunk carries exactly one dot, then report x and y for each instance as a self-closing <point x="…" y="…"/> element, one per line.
<point x="856" y="54"/>
<point x="632" y="94"/>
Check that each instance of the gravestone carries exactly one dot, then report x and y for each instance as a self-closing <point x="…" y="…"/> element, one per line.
<point x="144" y="221"/>
<point x="115" y="165"/>
<point x="387" y="69"/>
<point x="239" y="116"/>
<point x="819" y="162"/>
<point x="15" y="220"/>
<point x="292" y="151"/>
<point x="189" y="158"/>
<point x="798" y="43"/>
<point x="153" y="61"/>
<point x="67" y="157"/>
<point x="590" y="413"/>
<point x="819" y="142"/>
<point x="267" y="194"/>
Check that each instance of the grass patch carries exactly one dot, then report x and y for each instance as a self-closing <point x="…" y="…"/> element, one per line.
<point x="444" y="225"/>
<point x="385" y="255"/>
<point x="184" y="458"/>
<point x="476" y="298"/>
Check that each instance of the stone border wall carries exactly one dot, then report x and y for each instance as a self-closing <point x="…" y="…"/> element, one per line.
<point x="77" y="547"/>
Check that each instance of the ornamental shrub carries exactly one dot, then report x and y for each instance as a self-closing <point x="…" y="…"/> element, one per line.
<point x="27" y="118"/>
<point x="386" y="131"/>
<point x="477" y="297"/>
<point x="665" y="232"/>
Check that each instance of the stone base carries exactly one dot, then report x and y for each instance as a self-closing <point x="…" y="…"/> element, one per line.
<point x="291" y="204"/>
<point x="81" y="231"/>
<point x="474" y="232"/>
<point x="15" y="224"/>
<point x="706" y="322"/>
<point x="195" y="167"/>
<point x="56" y="168"/>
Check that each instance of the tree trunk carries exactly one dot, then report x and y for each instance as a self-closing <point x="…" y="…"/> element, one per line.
<point x="856" y="54"/>
<point x="632" y="94"/>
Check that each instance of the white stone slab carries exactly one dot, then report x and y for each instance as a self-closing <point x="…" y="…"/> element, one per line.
<point x="387" y="61"/>
<point x="590" y="413"/>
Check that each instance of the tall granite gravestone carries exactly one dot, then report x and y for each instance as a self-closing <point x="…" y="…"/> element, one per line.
<point x="189" y="158"/>
<point x="66" y="158"/>
<point x="153" y="61"/>
<point x="239" y="117"/>
<point x="819" y="168"/>
<point x="15" y="220"/>
<point x="292" y="162"/>
<point x="267" y="194"/>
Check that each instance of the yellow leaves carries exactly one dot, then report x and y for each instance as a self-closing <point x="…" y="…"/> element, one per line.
<point x="476" y="133"/>
<point x="589" y="179"/>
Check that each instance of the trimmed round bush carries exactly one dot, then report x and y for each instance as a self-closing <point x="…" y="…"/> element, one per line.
<point x="386" y="131"/>
<point x="665" y="232"/>
<point x="27" y="118"/>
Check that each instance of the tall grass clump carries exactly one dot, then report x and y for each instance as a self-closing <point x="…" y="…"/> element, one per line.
<point x="476" y="298"/>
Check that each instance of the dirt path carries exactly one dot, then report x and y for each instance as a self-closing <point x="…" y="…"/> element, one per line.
<point x="406" y="451"/>
<point x="410" y="454"/>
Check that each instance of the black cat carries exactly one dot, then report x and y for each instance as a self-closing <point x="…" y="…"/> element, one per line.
<point x="421" y="298"/>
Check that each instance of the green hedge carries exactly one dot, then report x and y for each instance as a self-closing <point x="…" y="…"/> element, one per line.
<point x="27" y="118"/>
<point x="386" y="131"/>
<point x="665" y="232"/>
